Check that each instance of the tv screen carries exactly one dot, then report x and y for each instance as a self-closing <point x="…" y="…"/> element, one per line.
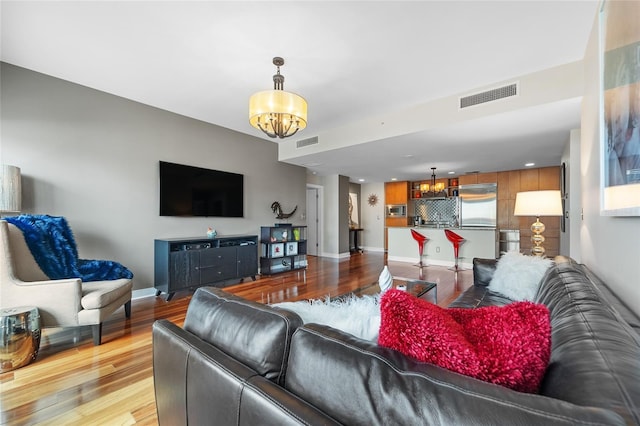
<point x="194" y="191"/>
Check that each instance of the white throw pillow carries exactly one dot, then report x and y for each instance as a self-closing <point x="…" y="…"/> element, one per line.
<point x="359" y="316"/>
<point x="518" y="276"/>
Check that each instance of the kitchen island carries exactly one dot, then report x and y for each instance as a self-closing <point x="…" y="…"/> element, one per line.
<point x="480" y="242"/>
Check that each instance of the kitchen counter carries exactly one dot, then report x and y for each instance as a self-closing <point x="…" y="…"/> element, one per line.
<point x="480" y="242"/>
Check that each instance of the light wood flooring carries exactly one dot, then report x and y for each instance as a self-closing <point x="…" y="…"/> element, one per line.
<point x="73" y="382"/>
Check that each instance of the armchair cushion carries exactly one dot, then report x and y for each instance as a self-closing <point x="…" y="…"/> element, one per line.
<point x="53" y="246"/>
<point x="98" y="294"/>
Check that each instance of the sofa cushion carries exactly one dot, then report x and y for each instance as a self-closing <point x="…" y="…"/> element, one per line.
<point x="360" y="383"/>
<point x="255" y="334"/>
<point x="478" y="296"/>
<point x="507" y="345"/>
<point x="483" y="270"/>
<point x="518" y="276"/>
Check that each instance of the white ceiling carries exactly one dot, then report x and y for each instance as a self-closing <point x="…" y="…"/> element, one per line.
<point x="350" y="60"/>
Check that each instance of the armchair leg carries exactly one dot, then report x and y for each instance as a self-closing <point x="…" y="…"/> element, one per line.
<point x="127" y="309"/>
<point x="97" y="334"/>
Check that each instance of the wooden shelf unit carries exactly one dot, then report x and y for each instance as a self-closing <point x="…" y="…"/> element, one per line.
<point x="283" y="248"/>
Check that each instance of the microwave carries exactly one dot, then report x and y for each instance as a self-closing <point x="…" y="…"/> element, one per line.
<point x="396" y="210"/>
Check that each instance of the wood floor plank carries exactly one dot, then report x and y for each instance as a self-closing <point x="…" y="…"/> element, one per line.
<point x="74" y="382"/>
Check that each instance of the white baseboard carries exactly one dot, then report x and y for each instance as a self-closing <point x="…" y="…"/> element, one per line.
<point x="428" y="262"/>
<point x="336" y="255"/>
<point x="374" y="249"/>
<point x="143" y="292"/>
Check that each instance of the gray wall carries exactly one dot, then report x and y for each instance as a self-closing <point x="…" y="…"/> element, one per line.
<point x="343" y="215"/>
<point x="93" y="158"/>
<point x="608" y="245"/>
<point x="372" y="217"/>
<point x="335" y="240"/>
<point x="570" y="239"/>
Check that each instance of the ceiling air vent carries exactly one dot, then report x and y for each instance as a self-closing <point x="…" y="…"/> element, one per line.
<point x="489" y="95"/>
<point x="306" y="142"/>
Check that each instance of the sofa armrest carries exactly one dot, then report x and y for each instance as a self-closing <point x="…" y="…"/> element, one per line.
<point x="257" y="335"/>
<point x="483" y="270"/>
<point x="196" y="383"/>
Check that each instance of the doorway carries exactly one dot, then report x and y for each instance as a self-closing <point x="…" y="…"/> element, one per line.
<point x="314" y="219"/>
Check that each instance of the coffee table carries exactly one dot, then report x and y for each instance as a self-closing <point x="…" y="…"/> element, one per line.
<point x="418" y="288"/>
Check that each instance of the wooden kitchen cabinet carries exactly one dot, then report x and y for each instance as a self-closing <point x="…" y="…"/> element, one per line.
<point x="514" y="181"/>
<point x="469" y="179"/>
<point x="487" y="177"/>
<point x="396" y="192"/>
<point x="473" y="178"/>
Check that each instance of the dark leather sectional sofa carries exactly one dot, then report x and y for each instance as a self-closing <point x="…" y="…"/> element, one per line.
<point x="237" y="362"/>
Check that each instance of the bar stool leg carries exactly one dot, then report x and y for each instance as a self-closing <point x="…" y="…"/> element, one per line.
<point x="457" y="241"/>
<point x="421" y="240"/>
<point x="420" y="253"/>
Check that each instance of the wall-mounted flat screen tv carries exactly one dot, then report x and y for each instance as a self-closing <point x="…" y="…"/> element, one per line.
<point x="194" y="191"/>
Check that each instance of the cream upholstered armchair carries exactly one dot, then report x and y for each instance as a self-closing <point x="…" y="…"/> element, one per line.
<point x="61" y="303"/>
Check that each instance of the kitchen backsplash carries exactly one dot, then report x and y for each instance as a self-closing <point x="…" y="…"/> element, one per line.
<point x="438" y="211"/>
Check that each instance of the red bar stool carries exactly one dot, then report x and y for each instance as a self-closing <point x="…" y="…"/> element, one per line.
<point x="457" y="241"/>
<point x="421" y="239"/>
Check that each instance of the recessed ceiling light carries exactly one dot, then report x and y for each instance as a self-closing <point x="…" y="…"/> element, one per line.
<point x="452" y="173"/>
<point x="360" y="180"/>
<point x="529" y="164"/>
<point x="394" y="178"/>
<point x="408" y="156"/>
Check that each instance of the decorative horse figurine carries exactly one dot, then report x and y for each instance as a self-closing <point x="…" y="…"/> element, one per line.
<point x="275" y="207"/>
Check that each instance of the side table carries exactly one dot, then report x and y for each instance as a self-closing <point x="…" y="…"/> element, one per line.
<point x="356" y="247"/>
<point x="19" y="337"/>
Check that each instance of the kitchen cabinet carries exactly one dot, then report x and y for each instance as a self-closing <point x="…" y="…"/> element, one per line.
<point x="514" y="181"/>
<point x="487" y="177"/>
<point x="469" y="179"/>
<point x="396" y="192"/>
<point x="473" y="178"/>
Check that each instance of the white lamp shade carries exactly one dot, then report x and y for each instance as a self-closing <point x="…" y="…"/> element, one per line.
<point x="277" y="102"/>
<point x="538" y="203"/>
<point x="10" y="189"/>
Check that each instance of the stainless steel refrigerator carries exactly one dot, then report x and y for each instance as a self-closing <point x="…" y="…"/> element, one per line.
<point x="478" y="205"/>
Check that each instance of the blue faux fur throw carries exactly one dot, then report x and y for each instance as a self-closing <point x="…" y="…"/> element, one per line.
<point x="52" y="244"/>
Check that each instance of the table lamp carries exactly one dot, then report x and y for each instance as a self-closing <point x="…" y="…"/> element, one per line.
<point x="10" y="189"/>
<point x="538" y="203"/>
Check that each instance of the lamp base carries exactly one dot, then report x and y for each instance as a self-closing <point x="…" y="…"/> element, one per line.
<point x="537" y="228"/>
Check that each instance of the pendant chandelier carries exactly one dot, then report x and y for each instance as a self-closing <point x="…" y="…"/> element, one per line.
<point x="276" y="112"/>
<point x="435" y="189"/>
